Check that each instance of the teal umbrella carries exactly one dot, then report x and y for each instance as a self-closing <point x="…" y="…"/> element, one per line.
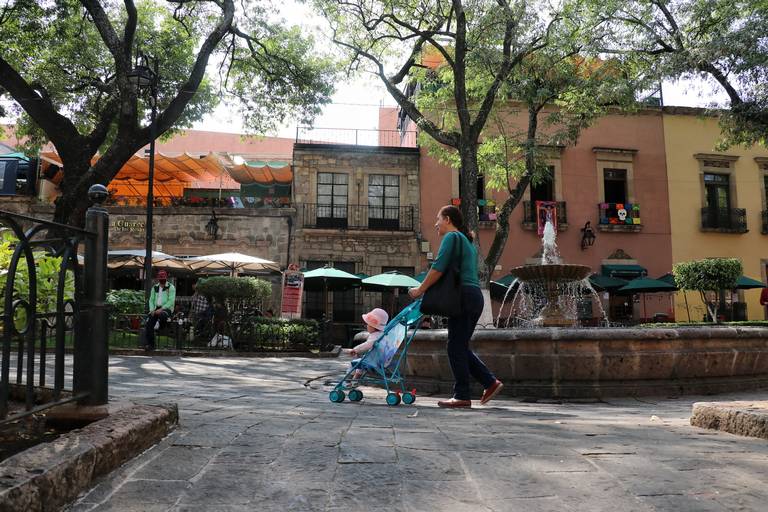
<point x="747" y="283"/>
<point x="646" y="285"/>
<point x="389" y="281"/>
<point x="668" y="278"/>
<point x="500" y="287"/>
<point x="393" y="282"/>
<point x="603" y="282"/>
<point x="329" y="278"/>
<point x="421" y="276"/>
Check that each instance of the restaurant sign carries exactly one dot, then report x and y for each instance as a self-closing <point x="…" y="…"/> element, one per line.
<point x="133" y="226"/>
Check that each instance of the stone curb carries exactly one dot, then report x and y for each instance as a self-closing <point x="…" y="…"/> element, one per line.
<point x="740" y="418"/>
<point x="50" y="475"/>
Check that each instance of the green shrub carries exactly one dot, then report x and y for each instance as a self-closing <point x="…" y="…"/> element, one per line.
<point x="222" y="288"/>
<point x="277" y="333"/>
<point x="708" y="275"/>
<point x="126" y="302"/>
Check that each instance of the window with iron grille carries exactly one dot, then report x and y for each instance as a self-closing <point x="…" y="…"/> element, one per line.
<point x="384" y="201"/>
<point x="332" y="193"/>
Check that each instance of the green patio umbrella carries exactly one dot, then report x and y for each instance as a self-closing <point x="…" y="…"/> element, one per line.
<point x="421" y="276"/>
<point x="389" y="281"/>
<point x="607" y="283"/>
<point x="393" y="281"/>
<point x="646" y="285"/>
<point x="500" y="286"/>
<point x="668" y="278"/>
<point x="329" y="279"/>
<point x="747" y="283"/>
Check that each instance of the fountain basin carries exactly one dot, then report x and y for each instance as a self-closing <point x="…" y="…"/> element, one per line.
<point x="553" y="272"/>
<point x="602" y="362"/>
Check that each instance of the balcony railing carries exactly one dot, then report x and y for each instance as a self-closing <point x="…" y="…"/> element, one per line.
<point x="729" y="220"/>
<point x="627" y="214"/>
<point x="396" y="218"/>
<point x="764" y="229"/>
<point x="529" y="213"/>
<point x="352" y="136"/>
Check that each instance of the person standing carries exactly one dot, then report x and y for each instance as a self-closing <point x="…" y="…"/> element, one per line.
<point x="162" y="299"/>
<point x="457" y="243"/>
<point x="199" y="310"/>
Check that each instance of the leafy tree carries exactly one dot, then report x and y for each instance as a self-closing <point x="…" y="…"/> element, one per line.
<point x="559" y="91"/>
<point x="233" y="291"/>
<point x="708" y="275"/>
<point x="468" y="66"/>
<point x="724" y="40"/>
<point x="66" y="66"/>
<point x="479" y="43"/>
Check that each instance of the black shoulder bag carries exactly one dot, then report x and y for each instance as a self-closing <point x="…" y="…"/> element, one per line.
<point x="444" y="297"/>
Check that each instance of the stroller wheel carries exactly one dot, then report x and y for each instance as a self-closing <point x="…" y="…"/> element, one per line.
<point x="336" y="396"/>
<point x="355" y="395"/>
<point x="393" y="399"/>
<point x="408" y="398"/>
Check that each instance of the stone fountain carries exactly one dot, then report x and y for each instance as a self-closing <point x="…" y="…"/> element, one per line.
<point x="559" y="283"/>
<point x="550" y="356"/>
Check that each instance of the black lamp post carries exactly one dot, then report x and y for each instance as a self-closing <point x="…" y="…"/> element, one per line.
<point x="145" y="77"/>
<point x="587" y="236"/>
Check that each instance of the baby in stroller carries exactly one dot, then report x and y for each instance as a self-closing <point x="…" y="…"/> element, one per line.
<point x="375" y="321"/>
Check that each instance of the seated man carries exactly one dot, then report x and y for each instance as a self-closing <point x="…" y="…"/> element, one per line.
<point x="162" y="299"/>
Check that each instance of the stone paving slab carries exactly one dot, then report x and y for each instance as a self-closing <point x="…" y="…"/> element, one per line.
<point x="744" y="418"/>
<point x="253" y="437"/>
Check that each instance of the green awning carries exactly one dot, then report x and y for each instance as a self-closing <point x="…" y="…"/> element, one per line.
<point x="624" y="271"/>
<point x="601" y="282"/>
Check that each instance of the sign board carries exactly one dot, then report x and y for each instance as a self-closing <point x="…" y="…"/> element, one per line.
<point x="293" y="289"/>
<point x="544" y="210"/>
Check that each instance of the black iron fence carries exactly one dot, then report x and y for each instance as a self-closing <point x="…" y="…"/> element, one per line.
<point x="352" y="136"/>
<point x="396" y="218"/>
<point x="49" y="301"/>
<point x="732" y="220"/>
<point x="529" y="213"/>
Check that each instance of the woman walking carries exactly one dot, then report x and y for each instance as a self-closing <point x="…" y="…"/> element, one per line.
<point x="457" y="243"/>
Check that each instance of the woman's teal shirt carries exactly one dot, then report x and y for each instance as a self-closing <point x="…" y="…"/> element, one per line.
<point x="452" y="243"/>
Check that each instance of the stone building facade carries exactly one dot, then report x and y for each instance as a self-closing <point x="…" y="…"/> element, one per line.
<point x="358" y="209"/>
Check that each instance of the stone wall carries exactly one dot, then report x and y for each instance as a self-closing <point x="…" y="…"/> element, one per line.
<point x="579" y="363"/>
<point x="370" y="250"/>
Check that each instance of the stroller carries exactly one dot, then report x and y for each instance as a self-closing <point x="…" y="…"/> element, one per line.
<point x="379" y="365"/>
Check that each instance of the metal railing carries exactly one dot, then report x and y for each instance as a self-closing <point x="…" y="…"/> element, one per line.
<point x="47" y="302"/>
<point x="764" y="228"/>
<point x="529" y="212"/>
<point x="378" y="218"/>
<point x="731" y="220"/>
<point x="356" y="137"/>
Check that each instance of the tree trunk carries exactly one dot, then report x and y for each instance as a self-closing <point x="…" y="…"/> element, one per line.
<point x="502" y="219"/>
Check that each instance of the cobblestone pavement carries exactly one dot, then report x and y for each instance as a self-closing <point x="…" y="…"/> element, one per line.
<point x="253" y="437"/>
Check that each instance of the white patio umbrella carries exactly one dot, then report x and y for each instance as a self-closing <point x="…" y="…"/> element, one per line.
<point x="134" y="258"/>
<point x="234" y="262"/>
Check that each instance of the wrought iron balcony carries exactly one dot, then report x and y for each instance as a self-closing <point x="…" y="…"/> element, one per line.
<point x="379" y="218"/>
<point x="529" y="214"/>
<point x="726" y="220"/>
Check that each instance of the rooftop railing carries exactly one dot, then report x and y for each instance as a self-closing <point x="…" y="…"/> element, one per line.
<point x="356" y="137"/>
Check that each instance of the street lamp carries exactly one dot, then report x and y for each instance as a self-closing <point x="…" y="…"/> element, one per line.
<point x="144" y="77"/>
<point x="212" y="228"/>
<point x="587" y="236"/>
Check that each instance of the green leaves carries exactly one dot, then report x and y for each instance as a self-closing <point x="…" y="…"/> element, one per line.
<point x="711" y="274"/>
<point x="126" y="302"/>
<point x="239" y="288"/>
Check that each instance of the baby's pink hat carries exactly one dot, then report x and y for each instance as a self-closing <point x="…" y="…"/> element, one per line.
<point x="376" y="318"/>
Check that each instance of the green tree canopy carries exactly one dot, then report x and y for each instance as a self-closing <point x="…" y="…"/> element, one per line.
<point x="722" y="40"/>
<point x="708" y="275"/>
<point x="66" y="66"/>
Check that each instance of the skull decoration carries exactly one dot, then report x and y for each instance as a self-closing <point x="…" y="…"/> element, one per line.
<point x="622" y="214"/>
